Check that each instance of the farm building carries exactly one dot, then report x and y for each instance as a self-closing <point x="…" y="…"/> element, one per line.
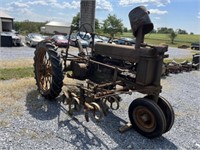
<point x="6" y="22"/>
<point x="56" y="27"/>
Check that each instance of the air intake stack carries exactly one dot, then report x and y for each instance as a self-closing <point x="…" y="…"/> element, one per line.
<point x="140" y="24"/>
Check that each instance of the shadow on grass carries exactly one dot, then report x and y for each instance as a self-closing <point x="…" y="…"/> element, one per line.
<point x="81" y="134"/>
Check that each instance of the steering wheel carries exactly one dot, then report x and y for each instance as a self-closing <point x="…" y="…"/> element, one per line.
<point x="85" y="28"/>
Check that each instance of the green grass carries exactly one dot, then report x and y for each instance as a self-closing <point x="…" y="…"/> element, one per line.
<point x="156" y="39"/>
<point x="179" y="60"/>
<point x="17" y="73"/>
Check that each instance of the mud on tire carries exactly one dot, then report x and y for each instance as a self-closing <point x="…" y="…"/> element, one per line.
<point x="48" y="70"/>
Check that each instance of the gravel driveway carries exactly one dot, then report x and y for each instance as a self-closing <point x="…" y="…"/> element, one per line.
<point x="32" y="122"/>
<point x="23" y="52"/>
<point x="35" y="123"/>
<point x="28" y="52"/>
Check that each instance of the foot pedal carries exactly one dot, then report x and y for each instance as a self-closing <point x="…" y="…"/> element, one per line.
<point x="125" y="127"/>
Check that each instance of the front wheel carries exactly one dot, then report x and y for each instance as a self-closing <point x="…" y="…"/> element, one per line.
<point x="48" y="70"/>
<point x="168" y="111"/>
<point x="147" y="118"/>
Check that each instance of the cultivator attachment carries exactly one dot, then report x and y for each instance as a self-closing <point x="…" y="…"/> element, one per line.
<point x="91" y="101"/>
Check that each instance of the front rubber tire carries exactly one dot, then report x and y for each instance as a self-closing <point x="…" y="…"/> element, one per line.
<point x="168" y="112"/>
<point x="147" y="118"/>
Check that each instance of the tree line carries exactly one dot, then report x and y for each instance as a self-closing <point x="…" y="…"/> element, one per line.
<point x="111" y="25"/>
<point x="25" y="27"/>
<point x="165" y="30"/>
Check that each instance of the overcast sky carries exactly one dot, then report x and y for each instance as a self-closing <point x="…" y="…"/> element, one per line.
<point x="183" y="14"/>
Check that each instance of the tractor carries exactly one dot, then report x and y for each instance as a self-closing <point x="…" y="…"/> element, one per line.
<point x="107" y="71"/>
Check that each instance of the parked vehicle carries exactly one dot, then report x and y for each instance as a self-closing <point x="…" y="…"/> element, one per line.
<point x="84" y="36"/>
<point x="125" y="41"/>
<point x="88" y="38"/>
<point x="74" y="38"/>
<point x="195" y="45"/>
<point x="96" y="39"/>
<point x="15" y="32"/>
<point x="46" y="37"/>
<point x="60" y="40"/>
<point x="16" y="40"/>
<point x="32" y="39"/>
<point x="105" y="39"/>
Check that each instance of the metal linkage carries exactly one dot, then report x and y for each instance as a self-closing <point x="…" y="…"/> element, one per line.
<point x="93" y="99"/>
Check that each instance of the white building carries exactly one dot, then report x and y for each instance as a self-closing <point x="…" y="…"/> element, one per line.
<point x="56" y="27"/>
<point x="6" y="22"/>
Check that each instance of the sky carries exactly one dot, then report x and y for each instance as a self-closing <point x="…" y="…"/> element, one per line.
<point x="176" y="14"/>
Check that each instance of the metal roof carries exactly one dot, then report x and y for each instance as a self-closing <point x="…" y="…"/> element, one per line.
<point x="4" y="15"/>
<point x="60" y="24"/>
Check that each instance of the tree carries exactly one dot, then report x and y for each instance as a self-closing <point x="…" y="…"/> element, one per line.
<point x="125" y="29"/>
<point x="180" y="31"/>
<point x="112" y="25"/>
<point x="27" y="26"/>
<point x="164" y="30"/>
<point x="76" y="21"/>
<point x="172" y="36"/>
<point x="153" y="31"/>
<point x="97" y="26"/>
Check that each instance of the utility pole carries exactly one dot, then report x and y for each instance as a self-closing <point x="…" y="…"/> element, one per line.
<point x="87" y="14"/>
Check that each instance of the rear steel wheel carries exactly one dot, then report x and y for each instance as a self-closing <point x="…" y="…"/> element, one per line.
<point x="48" y="70"/>
<point x="147" y="118"/>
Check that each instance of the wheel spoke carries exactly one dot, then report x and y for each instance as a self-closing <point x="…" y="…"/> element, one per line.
<point x="48" y="70"/>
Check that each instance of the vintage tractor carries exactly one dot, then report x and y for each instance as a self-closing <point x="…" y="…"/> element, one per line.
<point x="106" y="72"/>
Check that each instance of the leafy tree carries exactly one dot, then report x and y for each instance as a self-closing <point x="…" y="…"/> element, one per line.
<point x="130" y="30"/>
<point x="125" y="29"/>
<point x="28" y="26"/>
<point x="112" y="25"/>
<point x="180" y="31"/>
<point x="17" y="26"/>
<point x="97" y="25"/>
<point x="76" y="21"/>
<point x="172" y="36"/>
<point x="164" y="30"/>
<point x="153" y="31"/>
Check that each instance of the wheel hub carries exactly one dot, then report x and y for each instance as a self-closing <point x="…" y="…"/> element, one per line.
<point x="144" y="119"/>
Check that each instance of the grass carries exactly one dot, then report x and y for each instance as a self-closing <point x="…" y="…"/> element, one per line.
<point x="156" y="39"/>
<point x="17" y="63"/>
<point x="17" y="73"/>
<point x="12" y="90"/>
<point x="20" y="68"/>
<point x="179" y="60"/>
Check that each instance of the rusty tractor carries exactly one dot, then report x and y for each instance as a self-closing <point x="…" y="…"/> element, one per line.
<point x="106" y="72"/>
